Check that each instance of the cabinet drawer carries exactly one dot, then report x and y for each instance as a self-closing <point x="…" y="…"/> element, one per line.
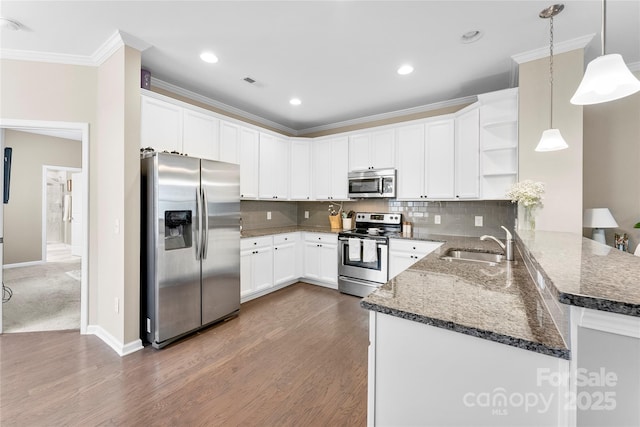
<point x="321" y="237"/>
<point x="416" y="246"/>
<point x="279" y="239"/>
<point x="255" y="242"/>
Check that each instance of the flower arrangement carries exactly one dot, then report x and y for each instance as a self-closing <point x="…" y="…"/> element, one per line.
<point x="527" y="193"/>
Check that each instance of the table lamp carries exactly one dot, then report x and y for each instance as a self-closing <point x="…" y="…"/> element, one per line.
<point x="598" y="219"/>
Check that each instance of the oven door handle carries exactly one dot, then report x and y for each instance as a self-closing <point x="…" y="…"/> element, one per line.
<point x="380" y="242"/>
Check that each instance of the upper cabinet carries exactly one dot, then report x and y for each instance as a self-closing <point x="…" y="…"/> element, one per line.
<point x="249" y="153"/>
<point x="330" y="169"/>
<point x="161" y="125"/>
<point x="229" y="142"/>
<point x="274" y="167"/>
<point x="200" y="135"/>
<point x="498" y="142"/>
<point x="372" y="150"/>
<point x="301" y="170"/>
<point x="467" y="154"/>
<point x="166" y="126"/>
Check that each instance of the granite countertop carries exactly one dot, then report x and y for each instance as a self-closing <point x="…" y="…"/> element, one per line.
<point x="292" y="229"/>
<point x="585" y="273"/>
<point x="495" y="302"/>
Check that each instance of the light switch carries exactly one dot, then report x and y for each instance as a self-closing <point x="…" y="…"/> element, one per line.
<point x="436" y="219"/>
<point x="306" y="214"/>
<point x="268" y="215"/>
<point x="479" y="221"/>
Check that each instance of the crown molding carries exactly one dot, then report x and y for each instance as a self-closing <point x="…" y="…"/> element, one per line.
<point x="561" y="47"/>
<point x="390" y="115"/>
<point x="101" y="54"/>
<point x="115" y="42"/>
<point x="220" y="105"/>
<point x="56" y="58"/>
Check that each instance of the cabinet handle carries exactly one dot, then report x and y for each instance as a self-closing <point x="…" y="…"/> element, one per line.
<point x="286" y="238"/>
<point x="275" y="249"/>
<point x="414" y="247"/>
<point x="255" y="243"/>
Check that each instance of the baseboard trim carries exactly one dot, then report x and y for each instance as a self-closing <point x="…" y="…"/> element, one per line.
<point x="114" y="343"/>
<point x="24" y="264"/>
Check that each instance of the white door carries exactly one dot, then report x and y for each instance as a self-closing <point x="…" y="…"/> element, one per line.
<point x="76" y="214"/>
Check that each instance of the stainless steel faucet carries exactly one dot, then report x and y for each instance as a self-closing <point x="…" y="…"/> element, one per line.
<point x="508" y="248"/>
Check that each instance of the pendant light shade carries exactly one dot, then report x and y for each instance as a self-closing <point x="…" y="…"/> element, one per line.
<point x="551" y="141"/>
<point x="607" y="78"/>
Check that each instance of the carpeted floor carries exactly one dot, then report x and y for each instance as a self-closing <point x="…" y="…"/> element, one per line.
<point x="45" y="297"/>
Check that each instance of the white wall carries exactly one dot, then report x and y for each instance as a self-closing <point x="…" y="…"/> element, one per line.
<point x="560" y="171"/>
<point x="612" y="163"/>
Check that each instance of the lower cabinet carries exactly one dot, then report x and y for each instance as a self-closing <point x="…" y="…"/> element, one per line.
<point x="256" y="265"/>
<point x="285" y="265"/>
<point x="404" y="253"/>
<point x="321" y="258"/>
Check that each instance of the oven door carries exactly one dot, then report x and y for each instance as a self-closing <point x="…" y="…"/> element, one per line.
<point x="376" y="271"/>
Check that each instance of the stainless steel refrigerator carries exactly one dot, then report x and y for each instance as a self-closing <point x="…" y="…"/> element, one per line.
<point x="190" y="248"/>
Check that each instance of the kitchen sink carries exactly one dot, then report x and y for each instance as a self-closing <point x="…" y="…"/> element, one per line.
<point x="472" y="255"/>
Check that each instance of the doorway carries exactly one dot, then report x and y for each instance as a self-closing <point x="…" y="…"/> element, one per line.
<point x="78" y="131"/>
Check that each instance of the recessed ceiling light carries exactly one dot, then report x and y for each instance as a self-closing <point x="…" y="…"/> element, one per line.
<point x="471" y="36"/>
<point x="209" y="57"/>
<point x="8" y="24"/>
<point x="405" y="69"/>
<point x="295" y="101"/>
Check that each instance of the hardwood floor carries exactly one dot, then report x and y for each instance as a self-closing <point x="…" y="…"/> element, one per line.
<point x="297" y="357"/>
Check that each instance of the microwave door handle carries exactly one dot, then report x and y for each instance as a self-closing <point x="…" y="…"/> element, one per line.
<point x="380" y="185"/>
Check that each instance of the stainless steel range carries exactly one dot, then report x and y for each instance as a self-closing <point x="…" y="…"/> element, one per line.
<point x="364" y="252"/>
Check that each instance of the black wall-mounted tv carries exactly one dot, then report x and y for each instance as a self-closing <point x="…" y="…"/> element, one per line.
<point x="7" y="173"/>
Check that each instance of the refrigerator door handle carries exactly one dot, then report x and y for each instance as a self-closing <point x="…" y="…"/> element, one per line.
<point x="199" y="223"/>
<point x="205" y="229"/>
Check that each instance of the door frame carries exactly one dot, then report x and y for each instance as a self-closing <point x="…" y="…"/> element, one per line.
<point x="45" y="169"/>
<point x="83" y="128"/>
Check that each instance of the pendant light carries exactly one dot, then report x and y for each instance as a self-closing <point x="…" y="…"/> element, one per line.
<point x="551" y="139"/>
<point x="607" y="77"/>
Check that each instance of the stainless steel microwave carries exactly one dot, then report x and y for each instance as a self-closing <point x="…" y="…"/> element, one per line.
<point x="373" y="183"/>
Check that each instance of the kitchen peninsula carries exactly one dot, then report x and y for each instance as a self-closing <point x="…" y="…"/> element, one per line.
<point x="504" y="340"/>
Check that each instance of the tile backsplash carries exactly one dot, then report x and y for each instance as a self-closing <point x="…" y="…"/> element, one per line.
<point x="456" y="217"/>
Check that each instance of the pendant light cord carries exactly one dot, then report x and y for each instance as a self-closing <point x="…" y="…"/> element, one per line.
<point x="551" y="70"/>
<point x="604" y="25"/>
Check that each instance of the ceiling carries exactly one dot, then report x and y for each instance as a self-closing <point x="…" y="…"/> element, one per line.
<point x="339" y="57"/>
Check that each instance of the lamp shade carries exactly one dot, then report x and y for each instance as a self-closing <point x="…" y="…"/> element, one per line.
<point x="598" y="218"/>
<point x="551" y="140"/>
<point x="607" y="78"/>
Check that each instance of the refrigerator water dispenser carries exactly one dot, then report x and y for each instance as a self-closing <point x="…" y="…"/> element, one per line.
<point x="177" y="230"/>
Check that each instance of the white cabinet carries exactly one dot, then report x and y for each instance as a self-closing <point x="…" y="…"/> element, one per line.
<point x="200" y="135"/>
<point x="240" y="145"/>
<point x="404" y="253"/>
<point x="249" y="153"/>
<point x="161" y="125"/>
<point x="498" y="142"/>
<point x="330" y="169"/>
<point x="321" y="258"/>
<point x="467" y="154"/>
<point x="229" y="142"/>
<point x="256" y="265"/>
<point x="300" y="173"/>
<point x="440" y="165"/>
<point x="274" y="167"/>
<point x="285" y="258"/>
<point x="372" y="150"/>
<point x="426" y="160"/>
<point x="411" y="161"/>
<point x="167" y="126"/>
